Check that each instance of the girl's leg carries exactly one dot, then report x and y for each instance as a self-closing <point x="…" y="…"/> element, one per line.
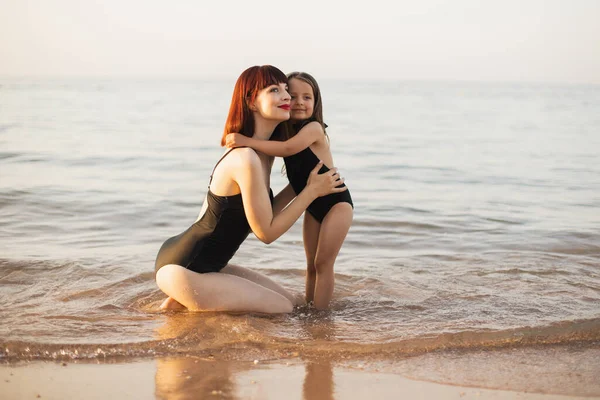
<point x="334" y="229"/>
<point x="310" y="236"/>
<point x="217" y="291"/>
<point x="261" y="280"/>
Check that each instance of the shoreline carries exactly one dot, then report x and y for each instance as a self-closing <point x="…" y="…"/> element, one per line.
<point x="552" y="373"/>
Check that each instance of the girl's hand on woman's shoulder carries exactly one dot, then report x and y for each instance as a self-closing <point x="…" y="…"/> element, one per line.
<point x="235" y="140"/>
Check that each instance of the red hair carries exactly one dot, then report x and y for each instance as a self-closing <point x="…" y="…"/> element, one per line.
<point x="240" y="118"/>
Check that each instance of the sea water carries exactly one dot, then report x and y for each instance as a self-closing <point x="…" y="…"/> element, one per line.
<point x="476" y="222"/>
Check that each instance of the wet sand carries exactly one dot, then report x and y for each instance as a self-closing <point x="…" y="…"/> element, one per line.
<point x="549" y="373"/>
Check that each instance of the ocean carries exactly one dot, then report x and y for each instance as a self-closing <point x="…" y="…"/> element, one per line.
<point x="476" y="222"/>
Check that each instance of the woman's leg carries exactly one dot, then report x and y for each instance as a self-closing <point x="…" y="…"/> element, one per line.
<point x="310" y="236"/>
<point x="260" y="279"/>
<point x="334" y="229"/>
<point x="256" y="277"/>
<point x="217" y="291"/>
<point x="172" y="305"/>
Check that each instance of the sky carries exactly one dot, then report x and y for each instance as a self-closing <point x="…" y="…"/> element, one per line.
<point x="553" y="41"/>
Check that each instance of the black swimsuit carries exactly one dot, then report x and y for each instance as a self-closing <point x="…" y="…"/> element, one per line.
<point x="209" y="244"/>
<point x="298" y="168"/>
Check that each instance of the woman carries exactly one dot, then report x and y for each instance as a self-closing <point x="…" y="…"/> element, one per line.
<point x="192" y="268"/>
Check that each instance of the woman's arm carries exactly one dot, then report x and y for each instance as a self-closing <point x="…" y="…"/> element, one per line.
<point x="283" y="198"/>
<point x="307" y="136"/>
<point x="266" y="225"/>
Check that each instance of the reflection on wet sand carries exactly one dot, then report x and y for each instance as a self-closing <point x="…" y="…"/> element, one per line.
<point x="318" y="378"/>
<point x="318" y="381"/>
<point x="188" y="378"/>
<point x="185" y="378"/>
<point x="197" y="377"/>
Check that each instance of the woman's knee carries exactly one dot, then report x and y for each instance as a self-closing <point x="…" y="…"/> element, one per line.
<point x="167" y="275"/>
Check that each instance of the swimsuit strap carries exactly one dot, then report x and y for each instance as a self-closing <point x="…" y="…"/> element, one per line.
<point x="221" y="159"/>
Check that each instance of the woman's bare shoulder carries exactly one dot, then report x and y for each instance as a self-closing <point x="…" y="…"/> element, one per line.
<point x="244" y="157"/>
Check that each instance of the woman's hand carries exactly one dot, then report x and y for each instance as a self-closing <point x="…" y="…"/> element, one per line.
<point x="235" y="140"/>
<point x="326" y="183"/>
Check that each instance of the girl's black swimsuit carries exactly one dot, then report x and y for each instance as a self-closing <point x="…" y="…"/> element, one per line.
<point x="209" y="244"/>
<point x="298" y="168"/>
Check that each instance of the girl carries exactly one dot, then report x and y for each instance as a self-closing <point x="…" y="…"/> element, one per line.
<point x="193" y="267"/>
<point x="329" y="218"/>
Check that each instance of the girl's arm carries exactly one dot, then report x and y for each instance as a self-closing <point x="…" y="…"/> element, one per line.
<point x="267" y="226"/>
<point x="308" y="135"/>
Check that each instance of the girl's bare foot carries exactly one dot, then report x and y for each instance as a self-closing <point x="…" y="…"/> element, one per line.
<point x="170" y="304"/>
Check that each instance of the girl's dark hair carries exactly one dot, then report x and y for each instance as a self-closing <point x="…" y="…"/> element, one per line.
<point x="318" y="107"/>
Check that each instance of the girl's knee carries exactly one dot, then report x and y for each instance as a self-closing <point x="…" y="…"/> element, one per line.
<point x="323" y="267"/>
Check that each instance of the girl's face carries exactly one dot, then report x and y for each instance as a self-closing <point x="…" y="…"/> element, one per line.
<point x="303" y="99"/>
<point x="273" y="102"/>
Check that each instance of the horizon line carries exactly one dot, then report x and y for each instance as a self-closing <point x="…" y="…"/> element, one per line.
<point x="215" y="77"/>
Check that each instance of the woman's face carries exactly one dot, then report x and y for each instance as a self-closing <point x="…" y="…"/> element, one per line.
<point x="303" y="100"/>
<point x="273" y="102"/>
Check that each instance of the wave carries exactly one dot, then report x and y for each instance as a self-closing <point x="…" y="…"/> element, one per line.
<point x="92" y="308"/>
<point x="225" y="337"/>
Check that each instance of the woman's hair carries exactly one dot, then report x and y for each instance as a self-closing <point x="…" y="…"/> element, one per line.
<point x="250" y="82"/>
<point x="317" y="114"/>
